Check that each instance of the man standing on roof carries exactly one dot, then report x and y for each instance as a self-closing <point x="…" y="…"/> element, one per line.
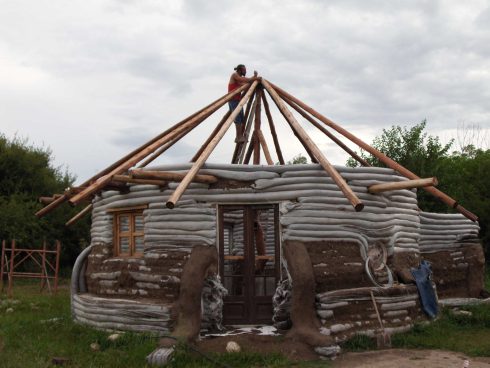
<point x="238" y="79"/>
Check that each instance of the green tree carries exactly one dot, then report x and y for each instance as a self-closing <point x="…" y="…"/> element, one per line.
<point x="414" y="149"/>
<point x="26" y="173"/>
<point x="463" y="175"/>
<point x="297" y="160"/>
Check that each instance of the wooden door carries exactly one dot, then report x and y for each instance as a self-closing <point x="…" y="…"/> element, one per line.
<point x="249" y="261"/>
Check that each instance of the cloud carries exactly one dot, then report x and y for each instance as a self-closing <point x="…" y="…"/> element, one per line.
<point x="110" y="75"/>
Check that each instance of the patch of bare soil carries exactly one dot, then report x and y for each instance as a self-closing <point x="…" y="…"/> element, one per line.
<point x="293" y="350"/>
<point x="402" y="358"/>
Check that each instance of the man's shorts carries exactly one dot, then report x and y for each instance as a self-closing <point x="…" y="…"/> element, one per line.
<point x="241" y="116"/>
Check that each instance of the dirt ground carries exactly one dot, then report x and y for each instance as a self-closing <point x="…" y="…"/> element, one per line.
<point x="400" y="358"/>
<point x="260" y="344"/>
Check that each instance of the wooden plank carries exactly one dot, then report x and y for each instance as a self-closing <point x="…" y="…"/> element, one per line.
<point x="103" y="180"/>
<point x="265" y="149"/>
<point x="209" y="149"/>
<point x="234" y="258"/>
<point x="79" y="215"/>
<point x="378" y="154"/>
<point x="272" y="129"/>
<point x="128" y="179"/>
<point x="354" y="155"/>
<point x="171" y="176"/>
<point x="397" y="185"/>
<point x="332" y="172"/>
<point x="127" y="209"/>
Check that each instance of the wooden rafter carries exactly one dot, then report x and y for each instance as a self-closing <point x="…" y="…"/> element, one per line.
<point x="294" y="128"/>
<point x="208" y="150"/>
<point x="265" y="149"/>
<point x="378" y="154"/>
<point x="257" y="122"/>
<point x="102" y="181"/>
<point x="211" y="136"/>
<point x="273" y="130"/>
<point x="59" y="201"/>
<point x="303" y="113"/>
<point x="407" y="184"/>
<point x="79" y="215"/>
<point x="171" y="176"/>
<point x="240" y="146"/>
<point x="115" y="176"/>
<point x="336" y="177"/>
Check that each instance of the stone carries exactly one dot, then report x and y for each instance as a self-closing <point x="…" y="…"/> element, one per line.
<point x="94" y="346"/>
<point x="233" y="347"/>
<point x="114" y="337"/>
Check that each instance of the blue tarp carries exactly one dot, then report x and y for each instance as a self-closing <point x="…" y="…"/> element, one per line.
<point x="427" y="294"/>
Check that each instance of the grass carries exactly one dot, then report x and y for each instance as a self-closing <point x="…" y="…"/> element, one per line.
<point x="463" y="333"/>
<point x="40" y="328"/>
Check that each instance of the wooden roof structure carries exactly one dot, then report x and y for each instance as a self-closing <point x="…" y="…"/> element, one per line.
<point x="128" y="168"/>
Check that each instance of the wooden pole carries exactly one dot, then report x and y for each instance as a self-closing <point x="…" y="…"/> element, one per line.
<point x="249" y="107"/>
<point x="43" y="264"/>
<point x="79" y="215"/>
<point x="250" y="150"/>
<point x="333" y="173"/>
<point x="171" y="176"/>
<point x="128" y="179"/>
<point x="48" y="200"/>
<point x="354" y="155"/>
<point x="209" y="149"/>
<point x="240" y="147"/>
<point x="272" y="129"/>
<point x="11" y="270"/>
<point x="256" y="159"/>
<point x="408" y="184"/>
<point x="102" y="181"/>
<point x="296" y="133"/>
<point x="2" y="265"/>
<point x="379" y="155"/>
<point x="123" y="160"/>
<point x="166" y="146"/>
<point x="265" y="149"/>
<point x="211" y="136"/>
<point x="57" y="267"/>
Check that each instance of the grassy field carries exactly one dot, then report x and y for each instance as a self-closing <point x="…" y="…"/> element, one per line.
<point x="36" y="327"/>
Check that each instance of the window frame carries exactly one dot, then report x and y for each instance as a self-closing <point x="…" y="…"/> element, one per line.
<point x="131" y="234"/>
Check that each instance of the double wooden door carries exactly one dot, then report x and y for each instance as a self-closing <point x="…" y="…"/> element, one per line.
<point x="249" y="261"/>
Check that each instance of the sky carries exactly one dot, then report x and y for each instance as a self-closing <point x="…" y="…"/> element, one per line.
<point x="92" y="80"/>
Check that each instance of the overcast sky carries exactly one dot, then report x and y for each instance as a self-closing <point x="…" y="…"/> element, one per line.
<point x="92" y="80"/>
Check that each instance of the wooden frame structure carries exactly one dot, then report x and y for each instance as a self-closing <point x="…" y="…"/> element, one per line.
<point x="48" y="268"/>
<point x="126" y="170"/>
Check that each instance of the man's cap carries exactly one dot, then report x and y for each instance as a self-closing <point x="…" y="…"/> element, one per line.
<point x="239" y="66"/>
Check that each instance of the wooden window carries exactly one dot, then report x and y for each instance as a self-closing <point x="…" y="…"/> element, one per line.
<point x="128" y="232"/>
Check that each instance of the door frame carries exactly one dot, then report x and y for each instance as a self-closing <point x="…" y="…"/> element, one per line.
<point x="249" y="299"/>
